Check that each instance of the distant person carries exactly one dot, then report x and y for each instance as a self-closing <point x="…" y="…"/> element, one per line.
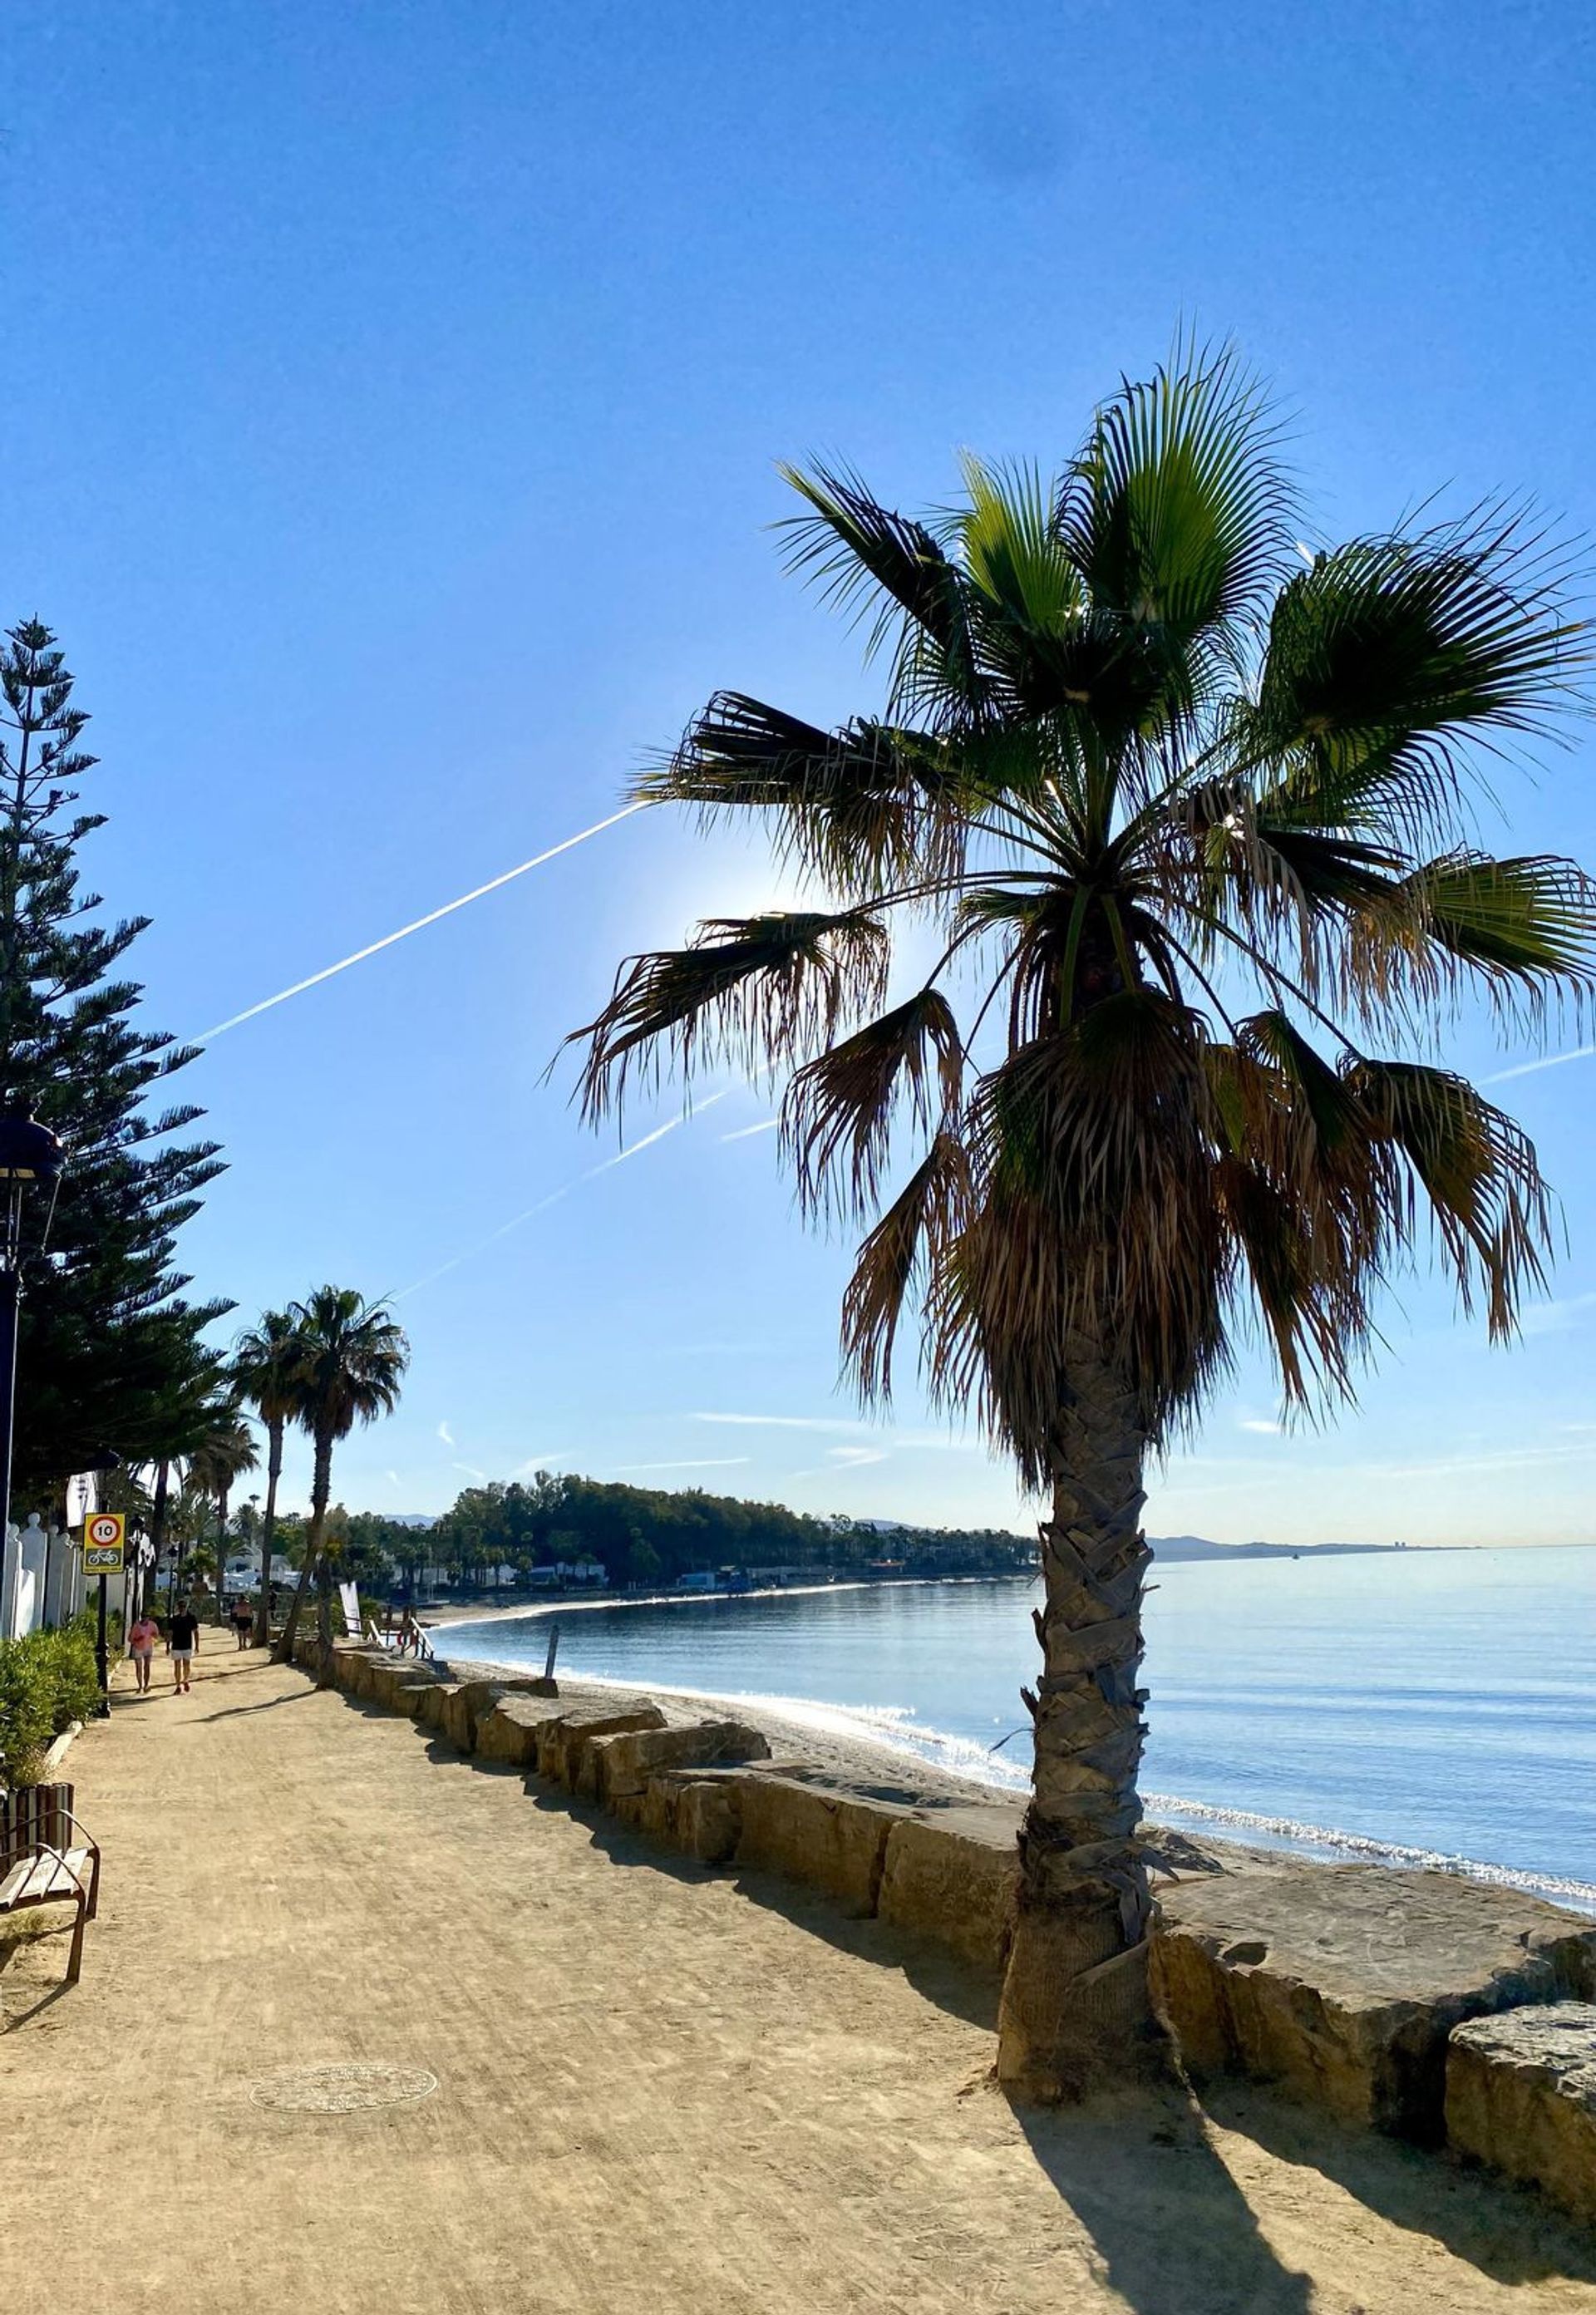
<point x="410" y="1637"/>
<point x="243" y="1618"/>
<point x="142" y="1636"/>
<point x="183" y="1637"/>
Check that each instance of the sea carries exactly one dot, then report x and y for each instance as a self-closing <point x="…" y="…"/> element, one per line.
<point x="1421" y="1708"/>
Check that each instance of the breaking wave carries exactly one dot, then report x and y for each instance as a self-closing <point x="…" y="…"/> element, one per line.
<point x="894" y="1728"/>
<point x="1314" y="1839"/>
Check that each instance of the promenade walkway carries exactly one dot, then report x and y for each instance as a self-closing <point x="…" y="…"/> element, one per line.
<point x="660" y="2090"/>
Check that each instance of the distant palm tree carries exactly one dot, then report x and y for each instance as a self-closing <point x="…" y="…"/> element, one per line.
<point x="352" y="1360"/>
<point x="265" y="1369"/>
<point x="1180" y="801"/>
<point x="225" y="1453"/>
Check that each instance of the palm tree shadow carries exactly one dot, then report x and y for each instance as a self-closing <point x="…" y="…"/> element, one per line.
<point x="1508" y="2232"/>
<point x="1175" y="2233"/>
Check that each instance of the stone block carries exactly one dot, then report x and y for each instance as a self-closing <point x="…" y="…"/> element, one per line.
<point x="700" y="1814"/>
<point x="816" y="1832"/>
<point x="708" y="1821"/>
<point x="563" y="1736"/>
<point x="950" y="1876"/>
<point x="510" y="1731"/>
<point x="411" y="1694"/>
<point x="363" y="1667"/>
<point x="435" y="1701"/>
<point x="386" y="1673"/>
<point x="1342" y="1983"/>
<point x="1521" y="2094"/>
<point x="472" y="1701"/>
<point x="617" y="1767"/>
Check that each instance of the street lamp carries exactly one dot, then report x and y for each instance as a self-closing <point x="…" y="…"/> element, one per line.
<point x="30" y="1162"/>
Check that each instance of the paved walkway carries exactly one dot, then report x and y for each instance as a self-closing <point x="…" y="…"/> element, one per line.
<point x="660" y="2089"/>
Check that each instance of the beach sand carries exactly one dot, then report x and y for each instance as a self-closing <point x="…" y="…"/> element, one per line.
<point x="660" y="2088"/>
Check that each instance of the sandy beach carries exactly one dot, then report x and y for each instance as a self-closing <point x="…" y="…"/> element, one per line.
<point x="658" y="2085"/>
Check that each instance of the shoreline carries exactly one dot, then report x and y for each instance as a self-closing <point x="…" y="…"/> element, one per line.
<point x="862" y="1756"/>
<point x="490" y="1610"/>
<point x="444" y="1620"/>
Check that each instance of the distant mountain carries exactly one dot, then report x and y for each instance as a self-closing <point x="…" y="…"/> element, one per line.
<point x="1202" y="1547"/>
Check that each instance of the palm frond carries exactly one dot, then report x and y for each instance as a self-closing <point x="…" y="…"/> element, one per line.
<point x="1008" y="542"/>
<point x="862" y="808"/>
<point x="1176" y="512"/>
<point x="907" y="1247"/>
<point x="860" y="550"/>
<point x="1478" y="1175"/>
<point x="1523" y="930"/>
<point x="839" y="1110"/>
<point x="1390" y="658"/>
<point x="759" y="991"/>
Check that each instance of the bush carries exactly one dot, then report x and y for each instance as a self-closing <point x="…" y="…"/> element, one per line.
<point x="46" y="1681"/>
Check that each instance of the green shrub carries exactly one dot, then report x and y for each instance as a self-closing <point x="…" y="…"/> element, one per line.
<point x="70" y="1654"/>
<point x="46" y="1681"/>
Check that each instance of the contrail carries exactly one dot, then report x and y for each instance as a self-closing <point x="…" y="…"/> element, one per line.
<point x="1532" y="1069"/>
<point x="553" y="1199"/>
<point x="420" y="924"/>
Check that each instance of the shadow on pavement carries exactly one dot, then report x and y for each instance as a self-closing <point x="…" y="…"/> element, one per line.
<point x="1508" y="2232"/>
<point x="1173" y="2228"/>
<point x="937" y="1976"/>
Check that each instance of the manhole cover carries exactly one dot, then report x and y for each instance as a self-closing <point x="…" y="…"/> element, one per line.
<point x="344" y="2090"/>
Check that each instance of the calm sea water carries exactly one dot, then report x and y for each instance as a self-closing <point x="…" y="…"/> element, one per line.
<point x="1430" y="1707"/>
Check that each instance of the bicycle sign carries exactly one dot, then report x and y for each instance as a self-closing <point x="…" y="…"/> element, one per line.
<point x="104" y="1537"/>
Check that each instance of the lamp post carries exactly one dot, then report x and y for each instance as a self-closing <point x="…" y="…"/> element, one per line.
<point x="30" y="1162"/>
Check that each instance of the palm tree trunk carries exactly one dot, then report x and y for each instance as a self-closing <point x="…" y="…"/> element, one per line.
<point x="157" y="1529"/>
<point x="274" y="1463"/>
<point x="321" y="1487"/>
<point x="1076" y="2012"/>
<point x="222" y="1494"/>
<point x="325" y="1621"/>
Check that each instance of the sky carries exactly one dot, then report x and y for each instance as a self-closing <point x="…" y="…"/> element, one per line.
<point x="392" y="396"/>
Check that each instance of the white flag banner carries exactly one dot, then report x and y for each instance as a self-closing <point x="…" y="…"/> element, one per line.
<point x="83" y="1497"/>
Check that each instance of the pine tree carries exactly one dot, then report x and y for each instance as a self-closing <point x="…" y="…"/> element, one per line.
<point x="111" y="1354"/>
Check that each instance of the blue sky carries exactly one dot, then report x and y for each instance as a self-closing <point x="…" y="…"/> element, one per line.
<point x="392" y="399"/>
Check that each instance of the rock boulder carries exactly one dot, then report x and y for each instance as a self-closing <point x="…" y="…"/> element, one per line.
<point x="615" y="1768"/>
<point x="470" y="1702"/>
<point x="1342" y="1983"/>
<point x="817" y="1832"/>
<point x="510" y="1732"/>
<point x="1521" y="2094"/>
<point x="562" y="1738"/>
<point x="950" y="1874"/>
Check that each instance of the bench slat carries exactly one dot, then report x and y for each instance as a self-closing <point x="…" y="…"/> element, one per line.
<point x="40" y="1878"/>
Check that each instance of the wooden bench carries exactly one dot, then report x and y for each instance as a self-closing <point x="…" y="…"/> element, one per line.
<point x="47" y="1858"/>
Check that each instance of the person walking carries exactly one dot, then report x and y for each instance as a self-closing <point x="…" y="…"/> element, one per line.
<point x="183" y="1637"/>
<point x="243" y="1618"/>
<point x="142" y="1635"/>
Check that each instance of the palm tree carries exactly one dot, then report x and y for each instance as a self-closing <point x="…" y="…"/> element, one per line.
<point x="1189" y="809"/>
<point x="352" y="1358"/>
<point x="265" y="1368"/>
<point x="223" y="1455"/>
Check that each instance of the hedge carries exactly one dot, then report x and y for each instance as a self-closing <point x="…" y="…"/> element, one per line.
<point x="47" y="1681"/>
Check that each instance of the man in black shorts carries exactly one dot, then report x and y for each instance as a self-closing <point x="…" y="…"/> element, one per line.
<point x="183" y="1637"/>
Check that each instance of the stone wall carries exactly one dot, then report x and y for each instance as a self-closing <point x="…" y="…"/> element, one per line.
<point x="1354" y="1988"/>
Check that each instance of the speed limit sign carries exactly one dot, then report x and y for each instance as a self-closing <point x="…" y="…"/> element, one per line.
<point x="103" y="1537"/>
